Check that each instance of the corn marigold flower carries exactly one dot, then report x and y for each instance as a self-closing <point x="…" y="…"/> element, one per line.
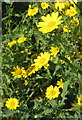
<point x="17" y="72"/>
<point x="12" y="103"/>
<point x="20" y="40"/>
<point x="32" y="12"/>
<point x="49" y="22"/>
<point x="60" y="84"/>
<point x="54" y="51"/>
<point x="75" y="22"/>
<point x="32" y="69"/>
<point x="25" y="82"/>
<point x="42" y="60"/>
<point x="68" y="57"/>
<point x="71" y="12"/>
<point x="52" y="92"/>
<point x="10" y="44"/>
<point x="79" y="102"/>
<point x="24" y="72"/>
<point x="61" y="5"/>
<point x="44" y="5"/>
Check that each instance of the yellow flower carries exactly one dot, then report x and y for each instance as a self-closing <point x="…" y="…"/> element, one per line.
<point x="54" y="51"/>
<point x="42" y="60"/>
<point x="32" y="69"/>
<point x="60" y="84"/>
<point x="22" y="52"/>
<point x="25" y="82"/>
<point x="44" y="5"/>
<point x="79" y="54"/>
<point x="66" y="56"/>
<point x="32" y="12"/>
<point x="66" y="29"/>
<point x="49" y="22"/>
<point x="60" y="5"/>
<point x="20" y="40"/>
<point x="79" y="100"/>
<point x="17" y="72"/>
<point x="12" y="103"/>
<point x="16" y="91"/>
<point x="71" y="12"/>
<point x="10" y="44"/>
<point x="52" y="92"/>
<point x="75" y="22"/>
<point x="24" y="72"/>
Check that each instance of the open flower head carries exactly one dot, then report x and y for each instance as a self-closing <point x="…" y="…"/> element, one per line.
<point x="75" y="22"/>
<point x="42" y="60"/>
<point x="17" y="72"/>
<point x="71" y="12"/>
<point x="60" y="84"/>
<point x="44" y="5"/>
<point x="20" y="40"/>
<point x="60" y="5"/>
<point x="32" y="11"/>
<point x="54" y="51"/>
<point x="12" y="103"/>
<point x="79" y="102"/>
<point x="52" y="92"/>
<point x="50" y="22"/>
<point x="10" y="44"/>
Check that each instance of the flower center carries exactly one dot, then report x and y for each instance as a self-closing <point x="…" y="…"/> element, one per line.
<point x="51" y="24"/>
<point x="53" y="92"/>
<point x="33" y="11"/>
<point x="42" y="60"/>
<point x="18" y="72"/>
<point x="12" y="103"/>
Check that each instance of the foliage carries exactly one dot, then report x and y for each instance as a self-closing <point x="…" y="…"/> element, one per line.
<point x="30" y="65"/>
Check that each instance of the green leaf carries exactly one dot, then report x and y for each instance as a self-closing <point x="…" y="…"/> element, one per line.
<point x="65" y="91"/>
<point x="53" y="103"/>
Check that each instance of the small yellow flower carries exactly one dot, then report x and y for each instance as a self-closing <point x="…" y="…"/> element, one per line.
<point x="66" y="56"/>
<point x="32" y="69"/>
<point x="44" y="5"/>
<point x="79" y="54"/>
<point x="32" y="12"/>
<point x="42" y="60"/>
<point x="60" y="5"/>
<point x="79" y="100"/>
<point x="54" y="51"/>
<point x="60" y="83"/>
<point x="75" y="22"/>
<point x="71" y="12"/>
<point x="17" y="72"/>
<point x="20" y="40"/>
<point x="66" y="29"/>
<point x="12" y="103"/>
<point x="50" y="22"/>
<point x="24" y="72"/>
<point x="52" y="92"/>
<point x="10" y="44"/>
<point x="16" y="91"/>
<point x="25" y="82"/>
<point x="22" y="52"/>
